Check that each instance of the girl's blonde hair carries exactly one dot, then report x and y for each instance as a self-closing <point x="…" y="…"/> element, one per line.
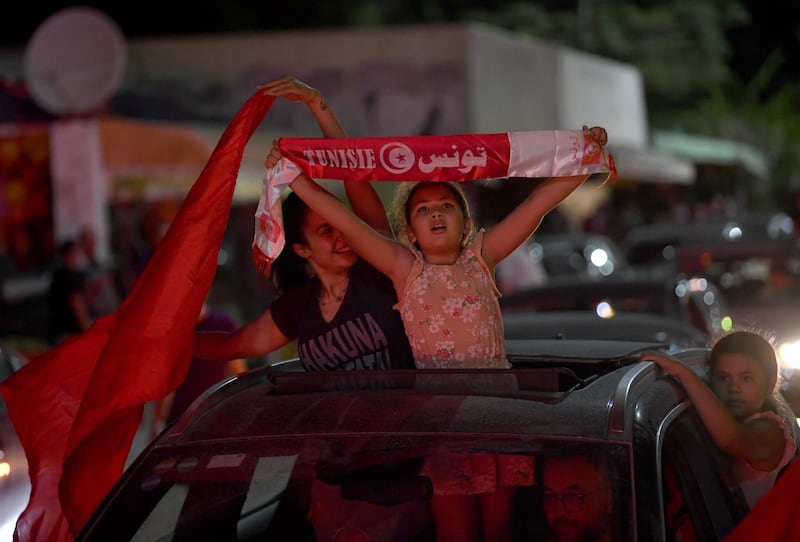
<point x="399" y="209"/>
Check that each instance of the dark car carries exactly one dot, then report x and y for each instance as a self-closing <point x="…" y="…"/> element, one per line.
<point x="642" y="327"/>
<point x="694" y="300"/>
<point x="15" y="484"/>
<point x="281" y="454"/>
<point x="755" y="260"/>
<point x="743" y="255"/>
<point x="582" y="254"/>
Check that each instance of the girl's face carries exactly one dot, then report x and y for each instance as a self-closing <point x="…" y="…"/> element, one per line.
<point x="739" y="381"/>
<point x="325" y="248"/>
<point x="436" y="220"/>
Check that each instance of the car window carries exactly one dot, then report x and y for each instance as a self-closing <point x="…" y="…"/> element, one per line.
<point x="312" y="488"/>
<point x="532" y="504"/>
<point x="700" y="495"/>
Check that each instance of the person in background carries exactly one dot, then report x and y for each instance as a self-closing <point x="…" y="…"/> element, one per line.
<point x="519" y="271"/>
<point x="336" y="305"/>
<point x="578" y="499"/>
<point x="67" y="300"/>
<point x="101" y="290"/>
<point x="739" y="407"/>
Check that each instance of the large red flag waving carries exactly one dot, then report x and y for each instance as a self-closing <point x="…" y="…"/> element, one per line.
<point x="84" y="399"/>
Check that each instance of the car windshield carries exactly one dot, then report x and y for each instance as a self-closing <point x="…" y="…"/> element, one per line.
<point x="311" y="487"/>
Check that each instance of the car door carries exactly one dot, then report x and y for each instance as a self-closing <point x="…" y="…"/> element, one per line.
<point x="714" y="504"/>
<point x="684" y="488"/>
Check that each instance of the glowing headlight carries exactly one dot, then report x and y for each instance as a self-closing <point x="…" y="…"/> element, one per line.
<point x="598" y="257"/>
<point x="604" y="310"/>
<point x="789" y="354"/>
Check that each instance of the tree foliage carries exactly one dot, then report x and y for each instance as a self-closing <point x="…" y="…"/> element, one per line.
<point x="684" y="50"/>
<point x="680" y="46"/>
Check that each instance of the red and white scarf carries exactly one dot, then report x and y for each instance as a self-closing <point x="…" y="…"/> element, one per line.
<point x="465" y="157"/>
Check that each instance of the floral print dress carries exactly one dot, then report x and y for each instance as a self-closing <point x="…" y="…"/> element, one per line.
<point x="452" y="314"/>
<point x="452" y="318"/>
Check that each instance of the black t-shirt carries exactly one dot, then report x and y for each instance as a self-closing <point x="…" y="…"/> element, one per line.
<point x="366" y="333"/>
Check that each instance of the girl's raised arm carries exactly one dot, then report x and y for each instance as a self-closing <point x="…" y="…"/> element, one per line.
<point x="760" y="442"/>
<point x="294" y="90"/>
<point x="520" y="223"/>
<point x="515" y="228"/>
<point x="385" y="254"/>
<point x="362" y="196"/>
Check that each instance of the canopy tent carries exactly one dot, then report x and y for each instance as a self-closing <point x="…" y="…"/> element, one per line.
<point x="146" y="160"/>
<point x="652" y="166"/>
<point x="715" y="151"/>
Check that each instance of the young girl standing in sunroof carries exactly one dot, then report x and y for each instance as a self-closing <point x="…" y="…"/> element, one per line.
<point x="443" y="273"/>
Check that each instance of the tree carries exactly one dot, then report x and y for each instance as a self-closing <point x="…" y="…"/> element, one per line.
<point x="685" y="50"/>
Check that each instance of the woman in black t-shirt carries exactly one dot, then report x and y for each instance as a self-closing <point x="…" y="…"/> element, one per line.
<point x="340" y="313"/>
<point x="338" y="307"/>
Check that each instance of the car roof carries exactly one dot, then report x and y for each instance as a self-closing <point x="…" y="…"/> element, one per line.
<point x="630" y="280"/>
<point x="726" y="238"/>
<point x="559" y="382"/>
<point x="574" y="293"/>
<point x="574" y="238"/>
<point x="561" y="397"/>
<point x="643" y="327"/>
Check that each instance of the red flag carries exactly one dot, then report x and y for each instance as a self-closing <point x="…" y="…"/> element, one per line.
<point x="77" y="407"/>
<point x="776" y="516"/>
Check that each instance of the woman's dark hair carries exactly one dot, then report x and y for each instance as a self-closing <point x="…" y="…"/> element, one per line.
<point x="290" y="270"/>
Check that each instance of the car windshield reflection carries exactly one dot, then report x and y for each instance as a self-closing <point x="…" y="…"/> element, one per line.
<point x="311" y="488"/>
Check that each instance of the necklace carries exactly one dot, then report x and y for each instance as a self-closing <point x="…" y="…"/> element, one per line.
<point x="334" y="297"/>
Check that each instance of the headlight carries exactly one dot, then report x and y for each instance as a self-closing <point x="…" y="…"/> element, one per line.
<point x="789" y="355"/>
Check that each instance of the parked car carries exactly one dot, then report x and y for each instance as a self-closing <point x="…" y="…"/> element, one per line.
<point x="582" y="254"/>
<point x="694" y="300"/>
<point x="743" y="256"/>
<point x="674" y="333"/>
<point x="282" y="454"/>
<point x="755" y="260"/>
<point x="15" y="484"/>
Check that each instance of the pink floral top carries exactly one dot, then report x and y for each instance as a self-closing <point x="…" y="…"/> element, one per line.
<point x="452" y="313"/>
